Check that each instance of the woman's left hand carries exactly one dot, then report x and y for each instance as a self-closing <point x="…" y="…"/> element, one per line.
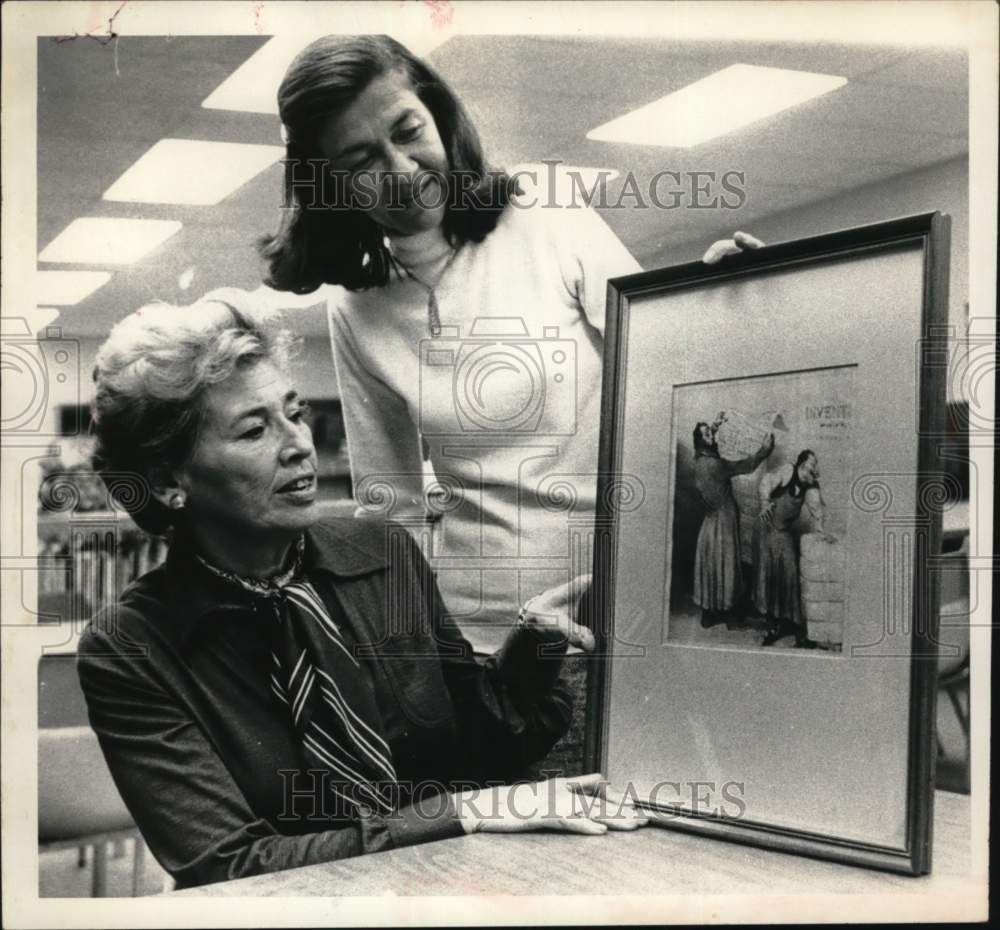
<point x="551" y="613"/>
<point x="581" y="804"/>
<point x="741" y="242"/>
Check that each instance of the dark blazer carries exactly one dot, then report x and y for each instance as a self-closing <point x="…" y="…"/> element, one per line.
<point x="176" y="681"/>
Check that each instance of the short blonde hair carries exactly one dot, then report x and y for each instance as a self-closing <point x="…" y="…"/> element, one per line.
<point x="151" y="375"/>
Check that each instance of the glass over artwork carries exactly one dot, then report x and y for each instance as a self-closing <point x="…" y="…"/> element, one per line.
<point x="759" y="535"/>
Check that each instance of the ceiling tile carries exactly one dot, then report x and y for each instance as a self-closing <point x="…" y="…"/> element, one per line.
<point x="932" y="68"/>
<point x="895" y="108"/>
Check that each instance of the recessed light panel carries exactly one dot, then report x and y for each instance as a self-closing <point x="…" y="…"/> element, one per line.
<point x="65" y="288"/>
<point x="716" y="105"/>
<point x="190" y="171"/>
<point x="42" y="317"/>
<point x="253" y="86"/>
<point x="100" y="240"/>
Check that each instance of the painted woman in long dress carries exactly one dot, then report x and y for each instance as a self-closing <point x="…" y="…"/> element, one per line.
<point x="718" y="569"/>
<point x="777" y="590"/>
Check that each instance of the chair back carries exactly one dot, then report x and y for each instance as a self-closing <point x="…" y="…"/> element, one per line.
<point x="77" y="797"/>
<point x="953" y="632"/>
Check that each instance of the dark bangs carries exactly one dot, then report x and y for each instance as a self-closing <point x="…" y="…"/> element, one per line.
<point x="318" y="244"/>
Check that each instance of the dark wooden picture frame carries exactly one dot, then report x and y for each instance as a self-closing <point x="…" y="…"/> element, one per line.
<point x="632" y="719"/>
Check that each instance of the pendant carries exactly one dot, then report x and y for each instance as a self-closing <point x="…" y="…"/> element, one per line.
<point x="433" y="317"/>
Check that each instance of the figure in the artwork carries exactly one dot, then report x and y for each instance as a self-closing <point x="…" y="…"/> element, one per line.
<point x="777" y="592"/>
<point x="718" y="571"/>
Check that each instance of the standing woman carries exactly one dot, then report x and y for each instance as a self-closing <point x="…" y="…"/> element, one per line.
<point x="777" y="591"/>
<point x="718" y="562"/>
<point x="467" y="329"/>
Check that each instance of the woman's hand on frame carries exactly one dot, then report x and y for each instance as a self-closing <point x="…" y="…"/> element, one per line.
<point x="741" y="242"/>
<point x="582" y="804"/>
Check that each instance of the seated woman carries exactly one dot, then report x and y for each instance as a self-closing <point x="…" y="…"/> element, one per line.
<point x="285" y="691"/>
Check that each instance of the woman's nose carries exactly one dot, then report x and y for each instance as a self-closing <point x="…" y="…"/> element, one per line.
<point x="399" y="166"/>
<point x="298" y="442"/>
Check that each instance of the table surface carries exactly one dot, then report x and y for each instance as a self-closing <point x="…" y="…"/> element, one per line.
<point x="654" y="860"/>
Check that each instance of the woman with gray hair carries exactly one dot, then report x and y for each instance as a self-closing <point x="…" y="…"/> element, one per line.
<point x="283" y="690"/>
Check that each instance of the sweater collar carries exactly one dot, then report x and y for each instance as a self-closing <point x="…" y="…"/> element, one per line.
<point x="421" y="249"/>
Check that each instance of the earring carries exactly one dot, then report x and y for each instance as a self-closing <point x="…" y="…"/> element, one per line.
<point x="176" y="501"/>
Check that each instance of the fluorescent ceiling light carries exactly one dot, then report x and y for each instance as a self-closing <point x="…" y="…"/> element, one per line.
<point x="102" y="240"/>
<point x="190" y="171"/>
<point x="41" y="318"/>
<point x="253" y="86"/>
<point x="65" y="288"/>
<point x="716" y="105"/>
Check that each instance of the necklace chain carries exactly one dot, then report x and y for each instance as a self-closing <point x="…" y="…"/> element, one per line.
<point x="433" y="312"/>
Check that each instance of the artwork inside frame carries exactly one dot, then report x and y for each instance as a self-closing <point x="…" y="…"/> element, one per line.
<point x="768" y="615"/>
<point x="760" y="511"/>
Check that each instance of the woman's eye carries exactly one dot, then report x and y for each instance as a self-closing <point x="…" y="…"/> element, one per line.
<point x="301" y="412"/>
<point x="410" y="133"/>
<point x="254" y="432"/>
<point x="362" y="163"/>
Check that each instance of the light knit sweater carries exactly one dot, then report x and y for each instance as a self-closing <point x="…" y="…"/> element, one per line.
<point x="504" y="404"/>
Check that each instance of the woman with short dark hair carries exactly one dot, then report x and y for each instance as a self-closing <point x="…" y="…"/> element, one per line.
<point x="331" y="243"/>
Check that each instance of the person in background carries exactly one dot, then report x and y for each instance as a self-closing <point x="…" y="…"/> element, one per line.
<point x="718" y="563"/>
<point x="284" y="691"/>
<point x="777" y="590"/>
<point x="467" y="328"/>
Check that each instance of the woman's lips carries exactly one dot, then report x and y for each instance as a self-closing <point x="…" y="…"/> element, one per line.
<point x="417" y="194"/>
<point x="301" y="488"/>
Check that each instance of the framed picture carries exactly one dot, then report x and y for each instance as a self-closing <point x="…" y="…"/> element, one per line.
<point x="769" y="520"/>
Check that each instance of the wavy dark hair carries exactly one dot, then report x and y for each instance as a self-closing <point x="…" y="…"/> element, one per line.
<point x="700" y="446"/>
<point x="315" y="245"/>
<point x="793" y="486"/>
